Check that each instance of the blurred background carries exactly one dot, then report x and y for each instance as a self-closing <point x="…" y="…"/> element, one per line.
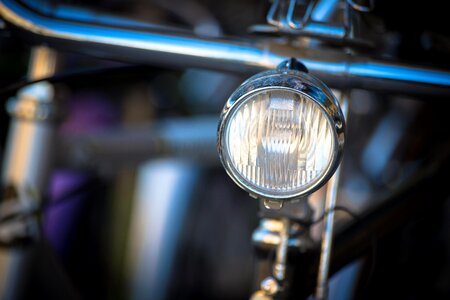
<point x="138" y="205"/>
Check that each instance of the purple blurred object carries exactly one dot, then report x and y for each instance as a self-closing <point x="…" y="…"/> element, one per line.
<point x="87" y="111"/>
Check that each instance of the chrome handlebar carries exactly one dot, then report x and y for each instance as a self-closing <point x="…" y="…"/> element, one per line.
<point x="157" y="47"/>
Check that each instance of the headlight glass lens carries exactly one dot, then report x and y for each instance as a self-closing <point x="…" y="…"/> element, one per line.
<point x="278" y="141"/>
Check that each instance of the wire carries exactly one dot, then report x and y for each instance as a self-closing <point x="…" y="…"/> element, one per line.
<point x="336" y="208"/>
<point x="325" y="213"/>
<point x="359" y="220"/>
<point x="76" y="74"/>
<point x="373" y="238"/>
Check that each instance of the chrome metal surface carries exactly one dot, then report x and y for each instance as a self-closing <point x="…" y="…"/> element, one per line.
<point x="33" y="103"/>
<point x="158" y="217"/>
<point x="267" y="235"/>
<point x="60" y="11"/>
<point x="295" y="82"/>
<point x="292" y="64"/>
<point x="276" y="7"/>
<point x="272" y="204"/>
<point x="281" y="17"/>
<point x="324" y="10"/>
<point x="299" y="210"/>
<point x="270" y="286"/>
<point x="306" y="18"/>
<point x="365" y="6"/>
<point x="314" y="30"/>
<point x="336" y="69"/>
<point x="279" y="268"/>
<point x="42" y="63"/>
<point x="29" y="142"/>
<point x="321" y="30"/>
<point x="328" y="227"/>
<point x="139" y="46"/>
<point x="27" y="159"/>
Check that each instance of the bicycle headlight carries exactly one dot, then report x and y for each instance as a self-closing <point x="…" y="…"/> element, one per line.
<point x="281" y="135"/>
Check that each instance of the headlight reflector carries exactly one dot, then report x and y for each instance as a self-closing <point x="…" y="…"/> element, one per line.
<point x="279" y="141"/>
<point x="281" y="135"/>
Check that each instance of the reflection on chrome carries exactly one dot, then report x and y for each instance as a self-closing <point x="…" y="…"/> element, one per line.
<point x="338" y="70"/>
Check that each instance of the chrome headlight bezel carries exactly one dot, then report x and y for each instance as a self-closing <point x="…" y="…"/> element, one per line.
<point x="296" y="82"/>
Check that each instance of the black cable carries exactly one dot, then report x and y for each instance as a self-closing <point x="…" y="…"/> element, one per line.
<point x="357" y="219"/>
<point x="75" y="75"/>
<point x="336" y="208"/>
<point x="373" y="238"/>
<point x="323" y="215"/>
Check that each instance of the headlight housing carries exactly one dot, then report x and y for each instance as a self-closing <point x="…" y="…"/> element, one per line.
<point x="281" y="135"/>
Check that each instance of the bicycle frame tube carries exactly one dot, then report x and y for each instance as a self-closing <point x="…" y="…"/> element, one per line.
<point x="155" y="47"/>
